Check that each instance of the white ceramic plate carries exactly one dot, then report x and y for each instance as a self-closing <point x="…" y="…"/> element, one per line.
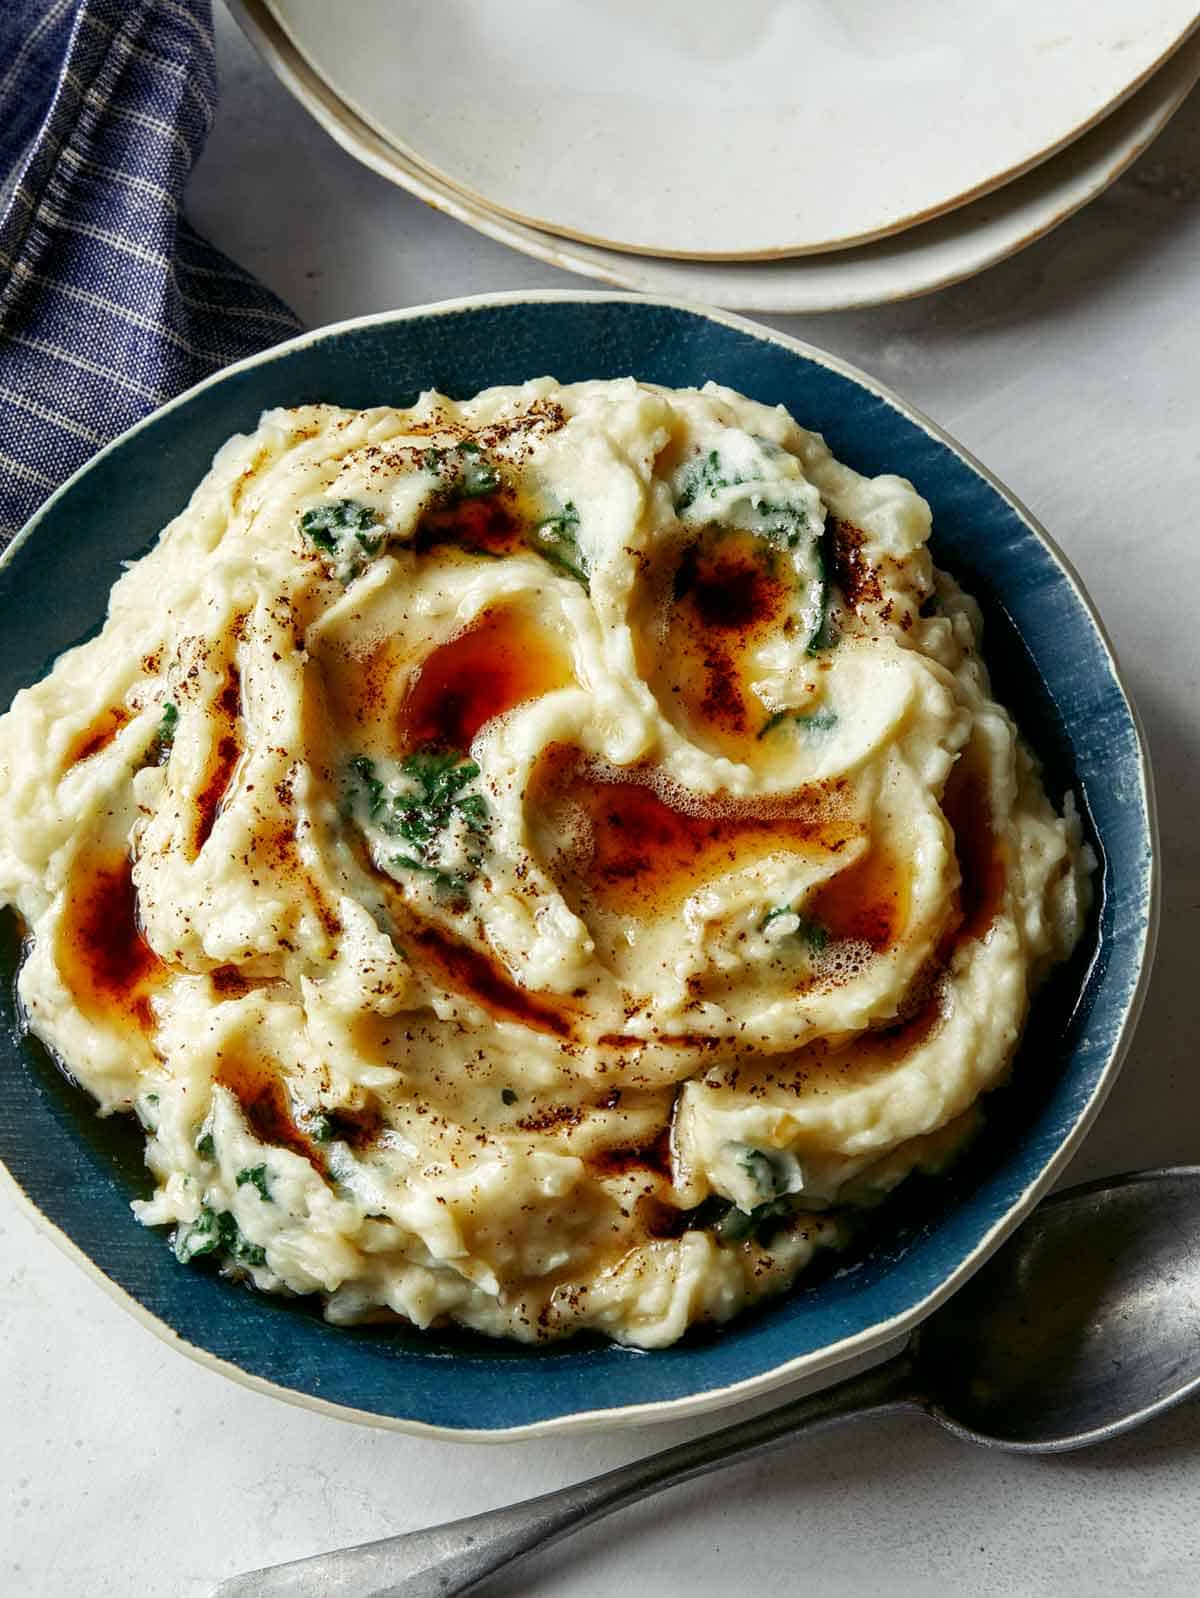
<point x="695" y="128"/>
<point x="923" y="258"/>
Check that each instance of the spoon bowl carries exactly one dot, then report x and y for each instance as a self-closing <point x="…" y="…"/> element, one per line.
<point x="1083" y="1325"/>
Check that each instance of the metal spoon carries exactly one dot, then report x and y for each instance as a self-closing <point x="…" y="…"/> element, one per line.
<point x="1085" y="1324"/>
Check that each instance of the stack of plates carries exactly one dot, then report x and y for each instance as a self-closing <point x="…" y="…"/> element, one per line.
<point x="776" y="155"/>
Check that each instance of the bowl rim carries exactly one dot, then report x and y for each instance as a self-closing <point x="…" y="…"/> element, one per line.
<point x="832" y="1356"/>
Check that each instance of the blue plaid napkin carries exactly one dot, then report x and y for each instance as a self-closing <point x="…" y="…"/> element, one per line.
<point x="109" y="302"/>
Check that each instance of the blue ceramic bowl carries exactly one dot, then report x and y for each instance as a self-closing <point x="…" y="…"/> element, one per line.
<point x="1050" y="660"/>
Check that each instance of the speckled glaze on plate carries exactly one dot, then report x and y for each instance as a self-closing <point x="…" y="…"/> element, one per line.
<point x="919" y="260"/>
<point x="1049" y="659"/>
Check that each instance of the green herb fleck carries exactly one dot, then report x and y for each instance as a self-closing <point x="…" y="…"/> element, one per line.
<point x="211" y="1232"/>
<point x="824" y="634"/>
<point x="164" y="737"/>
<point x="477" y="476"/>
<point x="809" y="931"/>
<point x="705" y="477"/>
<point x="772" y="722"/>
<point x="735" y="1226"/>
<point x="320" y="1129"/>
<point x="823" y="720"/>
<point x="465" y="471"/>
<point x="556" y="539"/>
<point x="759" y="498"/>
<point x="146" y="1110"/>
<point x="420" y="819"/>
<point x="781" y="524"/>
<point x="508" y="1095"/>
<point x="760" y="1168"/>
<point x="201" y="1236"/>
<point x="326" y="525"/>
<point x="256" y="1176"/>
<point x="345" y="530"/>
<point x="206" y="1147"/>
<point x="452" y="881"/>
<point x="442" y="777"/>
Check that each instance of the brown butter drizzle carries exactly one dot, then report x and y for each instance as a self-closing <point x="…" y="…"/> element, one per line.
<point x="502" y="659"/>
<point x="105" y="961"/>
<point x="474" y="975"/>
<point x="98" y="734"/>
<point x="645" y="846"/>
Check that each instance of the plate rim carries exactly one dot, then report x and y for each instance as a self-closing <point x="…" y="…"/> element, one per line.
<point x="633" y="272"/>
<point x="833" y="1355"/>
<point x="278" y="10"/>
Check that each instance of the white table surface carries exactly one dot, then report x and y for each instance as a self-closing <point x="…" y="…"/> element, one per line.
<point x="1074" y="372"/>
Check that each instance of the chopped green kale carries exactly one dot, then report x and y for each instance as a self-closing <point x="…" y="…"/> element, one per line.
<point x="823" y="720"/>
<point x="164" y="737"/>
<point x="760" y="1168"/>
<point x="212" y="1232"/>
<point x="465" y="471"/>
<point x="328" y="525"/>
<point x="748" y="488"/>
<point x="825" y="633"/>
<point x="452" y="881"/>
<point x="146" y="1110"/>
<point x="421" y="817"/>
<point x="780" y="523"/>
<point x="809" y="931"/>
<point x="706" y="476"/>
<point x="346" y="530"/>
<point x="735" y="1226"/>
<point x="772" y="722"/>
<point x="556" y="539"/>
<point x="477" y="476"/>
<point x="320" y="1129"/>
<point x="205" y="1146"/>
<point x="256" y="1176"/>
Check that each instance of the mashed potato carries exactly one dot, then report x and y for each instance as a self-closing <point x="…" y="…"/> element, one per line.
<point x="536" y="862"/>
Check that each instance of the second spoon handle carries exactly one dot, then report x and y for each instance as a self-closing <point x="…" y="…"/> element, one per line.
<point x="455" y="1557"/>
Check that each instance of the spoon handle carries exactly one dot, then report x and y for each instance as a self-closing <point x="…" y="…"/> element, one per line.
<point x="453" y="1558"/>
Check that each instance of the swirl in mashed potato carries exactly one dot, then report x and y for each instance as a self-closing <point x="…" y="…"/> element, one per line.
<point x="536" y="862"/>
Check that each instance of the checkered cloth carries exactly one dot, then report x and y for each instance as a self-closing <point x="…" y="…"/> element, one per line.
<point x="109" y="302"/>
